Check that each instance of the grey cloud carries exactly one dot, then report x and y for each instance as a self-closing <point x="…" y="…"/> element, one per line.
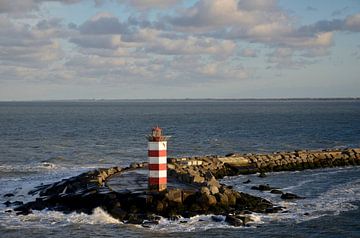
<point x="103" y="25"/>
<point x="49" y="24"/>
<point x="257" y="5"/>
<point x="99" y="41"/>
<point x="148" y="4"/>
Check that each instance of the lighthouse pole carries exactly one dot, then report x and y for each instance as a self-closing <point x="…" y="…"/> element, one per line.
<point x="157" y="154"/>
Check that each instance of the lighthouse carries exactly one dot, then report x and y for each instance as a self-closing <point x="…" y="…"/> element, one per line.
<point x="157" y="154"/>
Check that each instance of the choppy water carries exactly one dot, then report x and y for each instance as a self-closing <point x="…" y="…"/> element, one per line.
<point x="42" y="142"/>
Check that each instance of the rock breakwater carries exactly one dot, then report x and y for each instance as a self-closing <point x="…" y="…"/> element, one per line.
<point x="203" y="193"/>
<point x="194" y="168"/>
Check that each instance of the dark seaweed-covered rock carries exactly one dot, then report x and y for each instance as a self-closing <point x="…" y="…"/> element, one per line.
<point x="262" y="187"/>
<point x="276" y="191"/>
<point x="290" y="196"/>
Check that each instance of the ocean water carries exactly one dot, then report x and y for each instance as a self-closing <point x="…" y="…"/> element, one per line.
<point x="42" y="142"/>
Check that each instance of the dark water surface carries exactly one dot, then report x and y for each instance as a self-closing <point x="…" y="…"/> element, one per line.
<point x="43" y="142"/>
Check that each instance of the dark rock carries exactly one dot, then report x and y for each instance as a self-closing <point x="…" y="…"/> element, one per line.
<point x="234" y="221"/>
<point x="276" y="191"/>
<point x="247" y="181"/>
<point x="273" y="209"/>
<point x="118" y="213"/>
<point x="306" y="214"/>
<point x="8" y="211"/>
<point x="262" y="187"/>
<point x="266" y="187"/>
<point x="262" y="175"/>
<point x="290" y="196"/>
<point x="207" y="200"/>
<point x="7" y="203"/>
<point x="135" y="219"/>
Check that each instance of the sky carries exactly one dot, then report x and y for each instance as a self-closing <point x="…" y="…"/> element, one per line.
<point x="174" y="49"/>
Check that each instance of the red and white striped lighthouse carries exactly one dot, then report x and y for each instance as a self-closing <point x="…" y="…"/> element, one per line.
<point x="157" y="160"/>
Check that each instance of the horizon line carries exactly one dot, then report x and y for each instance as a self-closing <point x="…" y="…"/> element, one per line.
<point x="180" y="99"/>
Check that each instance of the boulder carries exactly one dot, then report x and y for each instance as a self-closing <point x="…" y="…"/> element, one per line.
<point x="198" y="179"/>
<point x="290" y="196"/>
<point x="205" y="190"/>
<point x="234" y="221"/>
<point x="222" y="199"/>
<point x="276" y="191"/>
<point x="262" y="187"/>
<point x="174" y="195"/>
<point x="207" y="200"/>
<point x="214" y="190"/>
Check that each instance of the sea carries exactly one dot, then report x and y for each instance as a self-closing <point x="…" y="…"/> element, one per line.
<point x="46" y="141"/>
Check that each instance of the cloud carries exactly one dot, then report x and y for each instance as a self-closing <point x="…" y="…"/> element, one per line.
<point x="148" y="4"/>
<point x="188" y="44"/>
<point x="352" y="23"/>
<point x="257" y="5"/>
<point x="102" y="24"/>
<point x="248" y="52"/>
<point x="18" y="7"/>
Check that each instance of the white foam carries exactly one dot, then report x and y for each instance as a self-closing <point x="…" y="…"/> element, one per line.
<point x="46" y="219"/>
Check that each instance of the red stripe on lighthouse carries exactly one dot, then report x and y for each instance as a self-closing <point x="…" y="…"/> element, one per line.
<point x="157" y="166"/>
<point x="157" y="153"/>
<point x="156" y="181"/>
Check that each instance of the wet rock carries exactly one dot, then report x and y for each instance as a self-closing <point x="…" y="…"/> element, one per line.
<point x="237" y="220"/>
<point x="262" y="187"/>
<point x="135" y="219"/>
<point x="247" y="181"/>
<point x="290" y="196"/>
<point x="262" y="175"/>
<point x="118" y="213"/>
<point x="276" y="191"/>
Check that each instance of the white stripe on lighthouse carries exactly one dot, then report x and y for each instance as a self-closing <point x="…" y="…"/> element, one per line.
<point x="157" y="174"/>
<point x="161" y="145"/>
<point x="157" y="160"/>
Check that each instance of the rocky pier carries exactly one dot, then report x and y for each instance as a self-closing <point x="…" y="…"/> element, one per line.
<point x="194" y="188"/>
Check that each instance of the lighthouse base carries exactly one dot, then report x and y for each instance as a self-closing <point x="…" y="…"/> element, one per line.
<point x="157" y="187"/>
